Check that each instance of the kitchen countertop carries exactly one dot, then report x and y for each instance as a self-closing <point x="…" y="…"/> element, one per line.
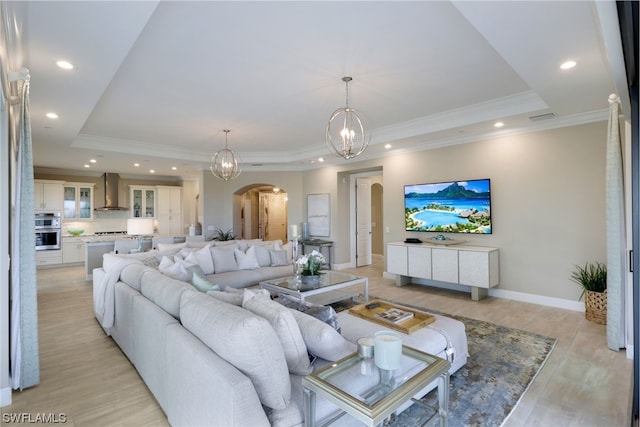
<point x="90" y="238"/>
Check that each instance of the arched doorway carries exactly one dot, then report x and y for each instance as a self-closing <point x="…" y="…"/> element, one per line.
<point x="260" y="212"/>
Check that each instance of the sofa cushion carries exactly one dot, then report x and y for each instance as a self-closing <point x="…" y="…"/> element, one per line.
<point x="279" y="257"/>
<point x="243" y="339"/>
<point x="246" y="260"/>
<point x="262" y="255"/>
<point x="321" y="339"/>
<point x="132" y="275"/>
<point x="203" y="258"/>
<point x="285" y="325"/>
<point x="224" y="259"/>
<point x="164" y="291"/>
<point x="170" y="246"/>
<point x="228" y="297"/>
<point x="238" y="278"/>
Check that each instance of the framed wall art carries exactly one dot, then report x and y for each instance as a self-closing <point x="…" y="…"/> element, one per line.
<point x="319" y="214"/>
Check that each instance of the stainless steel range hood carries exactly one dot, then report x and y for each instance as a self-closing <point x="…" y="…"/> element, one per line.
<point x="111" y="181"/>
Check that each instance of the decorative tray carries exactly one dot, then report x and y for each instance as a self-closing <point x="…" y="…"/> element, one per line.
<point x="419" y="320"/>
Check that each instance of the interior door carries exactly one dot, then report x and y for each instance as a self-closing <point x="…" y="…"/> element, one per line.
<point x="363" y="222"/>
<point x="273" y="216"/>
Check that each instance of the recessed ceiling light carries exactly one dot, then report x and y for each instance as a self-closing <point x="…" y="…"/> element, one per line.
<point x="65" y="65"/>
<point x="498" y="124"/>
<point x="52" y="116"/>
<point x="152" y="171"/>
<point x="92" y="160"/>
<point x="173" y="168"/>
<point x="136" y="164"/>
<point x="567" y="65"/>
<point x="321" y="159"/>
<point x="387" y="146"/>
<point x="87" y="166"/>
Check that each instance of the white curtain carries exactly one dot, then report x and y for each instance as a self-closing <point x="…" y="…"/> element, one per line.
<point x="616" y="242"/>
<point x="25" y="361"/>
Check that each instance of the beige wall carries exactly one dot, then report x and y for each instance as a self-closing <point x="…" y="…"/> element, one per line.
<point x="547" y="199"/>
<point x="218" y="197"/>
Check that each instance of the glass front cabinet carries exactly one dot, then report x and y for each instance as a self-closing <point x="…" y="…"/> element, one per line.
<point x="143" y="202"/>
<point x="77" y="201"/>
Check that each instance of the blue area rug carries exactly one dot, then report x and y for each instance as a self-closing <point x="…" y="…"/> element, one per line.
<point x="502" y="364"/>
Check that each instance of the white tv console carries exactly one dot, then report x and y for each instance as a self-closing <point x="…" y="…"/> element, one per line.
<point x="474" y="266"/>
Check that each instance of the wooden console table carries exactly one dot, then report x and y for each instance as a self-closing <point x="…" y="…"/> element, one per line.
<point x="474" y="266"/>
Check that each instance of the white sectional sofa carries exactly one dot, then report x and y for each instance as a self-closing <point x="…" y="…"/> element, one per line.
<point x="212" y="363"/>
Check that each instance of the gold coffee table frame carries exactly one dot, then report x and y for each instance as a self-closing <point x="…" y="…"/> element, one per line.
<point x="372" y="414"/>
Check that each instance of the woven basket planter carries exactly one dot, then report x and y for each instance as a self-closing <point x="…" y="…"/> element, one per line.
<point x="596" y="306"/>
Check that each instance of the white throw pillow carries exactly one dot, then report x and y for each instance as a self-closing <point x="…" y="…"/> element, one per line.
<point x="262" y="254"/>
<point x="224" y="259"/>
<point x="177" y="270"/>
<point x="285" y="325"/>
<point x="289" y="248"/>
<point x="247" y="260"/>
<point x="321" y="339"/>
<point x="203" y="258"/>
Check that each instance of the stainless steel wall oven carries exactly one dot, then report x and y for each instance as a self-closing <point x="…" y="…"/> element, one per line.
<point x="48" y="228"/>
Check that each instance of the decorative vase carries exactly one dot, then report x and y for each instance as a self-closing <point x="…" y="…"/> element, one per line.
<point x="311" y="280"/>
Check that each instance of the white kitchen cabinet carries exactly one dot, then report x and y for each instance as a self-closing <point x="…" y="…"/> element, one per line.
<point x="51" y="257"/>
<point x="169" y="212"/>
<point x="72" y="250"/>
<point x="473" y="266"/>
<point x="142" y="201"/>
<point x="47" y="195"/>
<point x="78" y="200"/>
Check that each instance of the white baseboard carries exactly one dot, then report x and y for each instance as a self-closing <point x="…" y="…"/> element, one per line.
<point x="504" y="294"/>
<point x="538" y="299"/>
<point x="5" y="396"/>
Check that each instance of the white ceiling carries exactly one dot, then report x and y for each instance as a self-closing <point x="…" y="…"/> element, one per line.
<point x="157" y="82"/>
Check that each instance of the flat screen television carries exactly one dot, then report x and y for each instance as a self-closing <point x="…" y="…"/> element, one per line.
<point x="451" y="207"/>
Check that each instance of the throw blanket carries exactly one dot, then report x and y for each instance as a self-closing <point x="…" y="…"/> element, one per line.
<point x="105" y="296"/>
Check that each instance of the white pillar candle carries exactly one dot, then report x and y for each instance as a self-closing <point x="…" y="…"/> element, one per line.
<point x="387" y="349"/>
<point x="294" y="230"/>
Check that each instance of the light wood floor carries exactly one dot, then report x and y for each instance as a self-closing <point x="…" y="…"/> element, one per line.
<point x="87" y="378"/>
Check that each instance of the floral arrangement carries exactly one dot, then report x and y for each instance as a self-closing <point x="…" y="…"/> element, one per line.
<point x="311" y="263"/>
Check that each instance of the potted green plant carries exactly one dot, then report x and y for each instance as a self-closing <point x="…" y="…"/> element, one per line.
<point x="223" y="235"/>
<point x="593" y="280"/>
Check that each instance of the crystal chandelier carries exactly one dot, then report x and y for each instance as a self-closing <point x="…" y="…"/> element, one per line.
<point x="225" y="163"/>
<point x="345" y="132"/>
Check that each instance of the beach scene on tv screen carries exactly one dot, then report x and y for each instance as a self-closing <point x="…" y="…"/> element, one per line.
<point x="455" y="207"/>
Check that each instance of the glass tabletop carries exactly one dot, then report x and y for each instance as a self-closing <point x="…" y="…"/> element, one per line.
<point x="358" y="381"/>
<point x="327" y="278"/>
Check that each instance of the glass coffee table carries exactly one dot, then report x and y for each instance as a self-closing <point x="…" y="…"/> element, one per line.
<point x="329" y="289"/>
<point x="370" y="394"/>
